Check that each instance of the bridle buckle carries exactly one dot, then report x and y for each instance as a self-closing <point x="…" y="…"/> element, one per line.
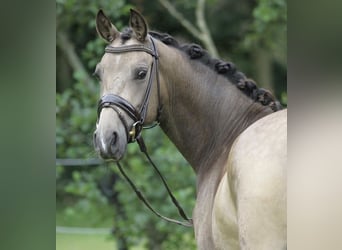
<point x="133" y="132"/>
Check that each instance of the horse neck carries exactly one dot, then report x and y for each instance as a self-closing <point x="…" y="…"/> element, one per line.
<point x="202" y="113"/>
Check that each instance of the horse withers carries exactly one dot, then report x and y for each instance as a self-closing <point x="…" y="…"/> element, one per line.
<point x="232" y="133"/>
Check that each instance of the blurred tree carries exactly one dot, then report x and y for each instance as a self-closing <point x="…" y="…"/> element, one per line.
<point x="201" y="32"/>
<point x="76" y="36"/>
<point x="267" y="39"/>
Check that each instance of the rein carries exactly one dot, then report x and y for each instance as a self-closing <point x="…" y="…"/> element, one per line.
<point x="118" y="103"/>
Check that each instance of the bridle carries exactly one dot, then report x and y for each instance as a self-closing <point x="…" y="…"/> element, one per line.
<point x="115" y="101"/>
<point x="133" y="133"/>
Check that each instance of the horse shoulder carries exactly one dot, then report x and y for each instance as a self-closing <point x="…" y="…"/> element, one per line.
<point x="250" y="204"/>
<point x="257" y="175"/>
<point x="258" y="156"/>
<point x="224" y="218"/>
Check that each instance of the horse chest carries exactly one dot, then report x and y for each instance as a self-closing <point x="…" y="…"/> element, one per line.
<point x="224" y="219"/>
<point x="203" y="211"/>
<point x="215" y="217"/>
<point x="202" y="222"/>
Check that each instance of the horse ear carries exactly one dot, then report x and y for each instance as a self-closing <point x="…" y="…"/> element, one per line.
<point x="138" y="25"/>
<point x="105" y="28"/>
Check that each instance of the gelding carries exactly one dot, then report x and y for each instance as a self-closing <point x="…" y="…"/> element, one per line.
<point x="231" y="132"/>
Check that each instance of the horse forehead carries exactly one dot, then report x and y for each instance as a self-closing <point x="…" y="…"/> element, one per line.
<point x="125" y="58"/>
<point x="111" y="60"/>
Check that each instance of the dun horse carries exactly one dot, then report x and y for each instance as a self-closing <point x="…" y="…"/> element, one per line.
<point x="232" y="133"/>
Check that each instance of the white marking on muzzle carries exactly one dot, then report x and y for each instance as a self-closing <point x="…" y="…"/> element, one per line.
<point x="104" y="146"/>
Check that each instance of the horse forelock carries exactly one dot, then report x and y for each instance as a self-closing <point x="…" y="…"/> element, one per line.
<point x="126" y="34"/>
<point x="227" y="69"/>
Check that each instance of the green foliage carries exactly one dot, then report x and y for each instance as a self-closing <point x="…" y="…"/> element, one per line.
<point x="181" y="180"/>
<point x="75" y="120"/>
<point x="84" y="205"/>
<point x="78" y="19"/>
<point x="83" y="242"/>
<point x="269" y="28"/>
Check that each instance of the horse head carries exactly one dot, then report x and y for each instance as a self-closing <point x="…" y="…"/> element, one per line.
<point x="129" y="85"/>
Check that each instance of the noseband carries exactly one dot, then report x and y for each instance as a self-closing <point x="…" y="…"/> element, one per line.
<point x="115" y="101"/>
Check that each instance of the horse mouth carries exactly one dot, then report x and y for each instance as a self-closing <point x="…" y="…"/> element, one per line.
<point x="109" y="151"/>
<point x="112" y="156"/>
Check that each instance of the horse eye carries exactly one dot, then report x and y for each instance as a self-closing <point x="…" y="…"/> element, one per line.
<point x="141" y="74"/>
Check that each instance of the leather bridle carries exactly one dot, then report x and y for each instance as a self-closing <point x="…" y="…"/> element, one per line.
<point x="115" y="101"/>
<point x="133" y="133"/>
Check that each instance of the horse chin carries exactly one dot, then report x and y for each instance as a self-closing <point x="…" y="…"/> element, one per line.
<point x="114" y="155"/>
<point x="118" y="154"/>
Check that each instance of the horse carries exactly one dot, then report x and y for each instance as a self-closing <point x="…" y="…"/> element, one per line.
<point x="232" y="133"/>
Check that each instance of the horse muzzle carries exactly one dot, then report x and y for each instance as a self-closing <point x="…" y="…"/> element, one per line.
<point x="110" y="141"/>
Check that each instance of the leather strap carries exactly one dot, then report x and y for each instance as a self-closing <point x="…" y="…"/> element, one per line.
<point x="131" y="48"/>
<point x="108" y="100"/>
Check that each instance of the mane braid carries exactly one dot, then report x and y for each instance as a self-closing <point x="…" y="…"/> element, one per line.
<point x="227" y="69"/>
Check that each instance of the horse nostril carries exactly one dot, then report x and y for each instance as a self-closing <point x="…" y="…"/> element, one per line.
<point x="114" y="139"/>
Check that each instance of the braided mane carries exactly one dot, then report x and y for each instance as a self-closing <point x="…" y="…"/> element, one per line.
<point x="227" y="69"/>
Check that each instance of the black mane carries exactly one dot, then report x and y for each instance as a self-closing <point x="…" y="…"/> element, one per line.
<point x="227" y="69"/>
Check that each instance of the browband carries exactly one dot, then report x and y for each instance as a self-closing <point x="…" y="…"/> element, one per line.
<point x="131" y="48"/>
